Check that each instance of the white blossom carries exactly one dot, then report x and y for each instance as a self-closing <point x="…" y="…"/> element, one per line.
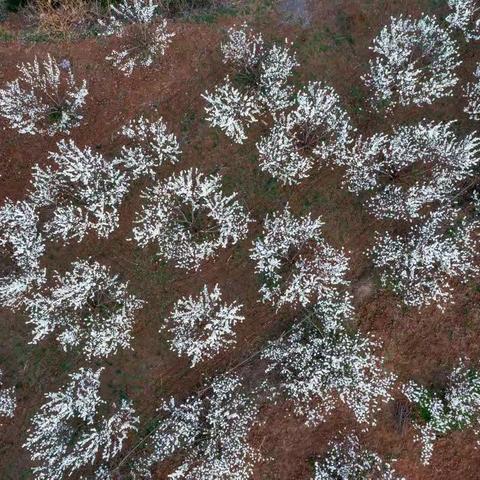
<point x="347" y="460"/>
<point x="202" y="326"/>
<point x="472" y="93"/>
<point x="44" y="99"/>
<point x="417" y="166"/>
<point x="68" y="433"/>
<point x="210" y="433"/>
<point x="8" y="402"/>
<point x="190" y="219"/>
<point x="317" y="128"/>
<point x="144" y="40"/>
<point x="465" y="16"/>
<point x="422" y="265"/>
<point x="244" y="48"/>
<point x="320" y="367"/>
<point x="415" y="62"/>
<point x="84" y="189"/>
<point x="455" y="407"/>
<point x="150" y="147"/>
<point x="86" y="308"/>
<point x="275" y="69"/>
<point x="296" y="265"/>
<point x="21" y="249"/>
<point x="223" y="451"/>
<point x="231" y="110"/>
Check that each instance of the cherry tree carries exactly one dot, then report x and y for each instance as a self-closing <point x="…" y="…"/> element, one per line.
<point x="296" y="264"/>
<point x="190" y="218"/>
<point x="348" y="460"/>
<point x="318" y="128"/>
<point x="44" y="99"/>
<point x="151" y="145"/>
<point x="455" y="407"/>
<point x="231" y="110"/>
<point x="320" y="367"/>
<point x="211" y="433"/>
<point x="422" y="265"/>
<point x="465" y="16"/>
<point x="86" y="308"/>
<point x="69" y="432"/>
<point x="144" y="39"/>
<point x="472" y="93"/>
<point x="418" y="166"/>
<point x="415" y="62"/>
<point x="262" y="76"/>
<point x="8" y="402"/>
<point x="83" y="191"/>
<point x="203" y="326"/>
<point x="21" y="249"/>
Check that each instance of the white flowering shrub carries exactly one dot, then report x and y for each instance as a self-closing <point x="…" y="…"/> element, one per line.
<point x="203" y="326"/>
<point x="177" y="429"/>
<point x="222" y="451"/>
<point x="455" y="407"/>
<point x="212" y="434"/>
<point x="8" y="401"/>
<point x="317" y="128"/>
<point x="276" y="68"/>
<point x="320" y="367"/>
<point x="472" y="93"/>
<point x="143" y="39"/>
<point x="190" y="218"/>
<point x="294" y="262"/>
<point x="21" y="249"/>
<point x="415" y="62"/>
<point x="44" y="99"/>
<point x="465" y="16"/>
<point x="69" y="433"/>
<point x="231" y="110"/>
<point x="83" y="192"/>
<point x="347" y="460"/>
<point x="422" y="265"/>
<point x="261" y="76"/>
<point x="416" y="167"/>
<point x="244" y="49"/>
<point x="151" y="145"/>
<point x="86" y="308"/>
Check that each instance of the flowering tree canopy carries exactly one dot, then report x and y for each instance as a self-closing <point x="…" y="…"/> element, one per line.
<point x="473" y="97"/>
<point x="231" y="110"/>
<point x="317" y="128"/>
<point x="202" y="326"/>
<point x="212" y="434"/>
<point x="150" y="147"/>
<point x="190" y="218"/>
<point x="456" y="406"/>
<point x="87" y="308"/>
<point x="415" y="62"/>
<point x="347" y="460"/>
<point x="84" y="190"/>
<point x="8" y="402"/>
<point x="144" y="39"/>
<point x="44" y="99"/>
<point x="421" y="266"/>
<point x="68" y="433"/>
<point x="465" y="16"/>
<point x="416" y="167"/>
<point x="21" y="248"/>
<point x="297" y="266"/>
<point x="262" y="76"/>
<point x="321" y="366"/>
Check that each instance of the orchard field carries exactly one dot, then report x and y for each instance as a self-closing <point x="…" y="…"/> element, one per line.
<point x="239" y="239"/>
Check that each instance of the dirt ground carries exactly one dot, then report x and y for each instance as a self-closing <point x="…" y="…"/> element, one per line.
<point x="332" y="39"/>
